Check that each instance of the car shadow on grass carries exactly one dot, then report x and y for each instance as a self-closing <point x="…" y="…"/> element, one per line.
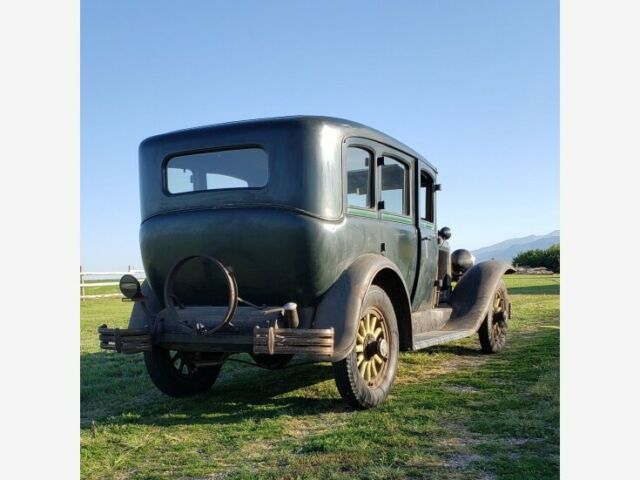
<point x="535" y="290"/>
<point x="115" y="389"/>
<point x="453" y="349"/>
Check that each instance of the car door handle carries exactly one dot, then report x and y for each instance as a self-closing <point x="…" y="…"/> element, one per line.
<point x="426" y="238"/>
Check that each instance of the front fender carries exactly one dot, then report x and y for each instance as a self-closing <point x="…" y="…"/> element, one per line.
<point x="474" y="293"/>
<point x="340" y="305"/>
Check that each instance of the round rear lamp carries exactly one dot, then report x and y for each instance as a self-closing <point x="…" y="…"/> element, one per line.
<point x="129" y="286"/>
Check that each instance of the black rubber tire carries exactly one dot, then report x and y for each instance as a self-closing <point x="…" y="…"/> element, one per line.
<point x="352" y="387"/>
<point x="271" y="362"/>
<point x="170" y="381"/>
<point x="493" y="335"/>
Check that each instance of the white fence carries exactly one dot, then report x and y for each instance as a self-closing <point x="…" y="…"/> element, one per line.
<point x="84" y="285"/>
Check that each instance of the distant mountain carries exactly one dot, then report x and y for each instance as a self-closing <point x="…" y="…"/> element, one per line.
<point x="508" y="249"/>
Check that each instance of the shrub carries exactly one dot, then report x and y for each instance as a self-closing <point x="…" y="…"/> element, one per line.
<point x="549" y="258"/>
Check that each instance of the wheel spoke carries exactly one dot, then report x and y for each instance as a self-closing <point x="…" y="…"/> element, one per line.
<point x="360" y="359"/>
<point x="377" y="333"/>
<point x="374" y="370"/>
<point x="378" y="359"/>
<point x="359" y="348"/>
<point x="362" y="368"/>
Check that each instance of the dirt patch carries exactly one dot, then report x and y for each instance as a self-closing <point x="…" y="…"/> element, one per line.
<point x="462" y="389"/>
<point x="461" y="461"/>
<point x="303" y="427"/>
<point x="425" y="366"/>
<point x="214" y="476"/>
<point x="516" y="441"/>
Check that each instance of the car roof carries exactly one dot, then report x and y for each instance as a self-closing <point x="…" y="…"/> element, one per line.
<point x="349" y="127"/>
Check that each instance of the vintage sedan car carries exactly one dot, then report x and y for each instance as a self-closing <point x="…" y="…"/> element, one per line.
<point x="309" y="236"/>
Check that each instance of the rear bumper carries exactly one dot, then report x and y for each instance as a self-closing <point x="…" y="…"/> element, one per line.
<point x="250" y="331"/>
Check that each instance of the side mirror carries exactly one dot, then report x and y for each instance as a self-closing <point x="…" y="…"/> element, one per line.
<point x="445" y="232"/>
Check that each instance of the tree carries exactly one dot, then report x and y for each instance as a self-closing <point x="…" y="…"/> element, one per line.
<point x="549" y="258"/>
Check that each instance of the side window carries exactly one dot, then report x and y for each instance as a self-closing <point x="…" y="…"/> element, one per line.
<point x="395" y="186"/>
<point x="426" y="197"/>
<point x="359" y="163"/>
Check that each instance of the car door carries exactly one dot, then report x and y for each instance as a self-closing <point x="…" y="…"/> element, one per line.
<point x="428" y="245"/>
<point x="394" y="188"/>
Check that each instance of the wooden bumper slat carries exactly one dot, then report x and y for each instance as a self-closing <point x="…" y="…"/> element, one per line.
<point x="271" y="340"/>
<point x="126" y="340"/>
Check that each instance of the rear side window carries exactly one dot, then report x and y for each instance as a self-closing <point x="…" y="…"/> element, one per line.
<point x="359" y="163"/>
<point x="222" y="169"/>
<point x="426" y="197"/>
<point x="395" y="186"/>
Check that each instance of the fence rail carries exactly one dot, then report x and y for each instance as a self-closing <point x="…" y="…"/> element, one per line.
<point x="84" y="285"/>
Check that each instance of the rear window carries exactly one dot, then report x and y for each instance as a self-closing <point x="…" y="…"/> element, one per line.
<point x="222" y="169"/>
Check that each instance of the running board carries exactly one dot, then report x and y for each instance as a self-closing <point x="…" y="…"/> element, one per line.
<point x="429" y="339"/>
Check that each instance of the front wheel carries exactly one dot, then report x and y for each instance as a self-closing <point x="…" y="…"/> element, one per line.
<point x="182" y="374"/>
<point x="364" y="378"/>
<point x="493" y="331"/>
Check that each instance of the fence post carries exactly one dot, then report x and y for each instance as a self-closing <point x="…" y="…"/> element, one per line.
<point x="81" y="283"/>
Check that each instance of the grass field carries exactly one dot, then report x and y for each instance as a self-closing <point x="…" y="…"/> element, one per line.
<point x="453" y="412"/>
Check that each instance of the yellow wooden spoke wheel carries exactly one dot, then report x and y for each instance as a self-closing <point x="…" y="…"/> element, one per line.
<point x="493" y="331"/>
<point x="365" y="376"/>
<point x="372" y="347"/>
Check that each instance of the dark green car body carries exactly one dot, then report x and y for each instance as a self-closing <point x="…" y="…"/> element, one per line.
<point x="291" y="239"/>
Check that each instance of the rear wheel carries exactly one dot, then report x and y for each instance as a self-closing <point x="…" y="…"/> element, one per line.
<point x="364" y="378"/>
<point x="182" y="374"/>
<point x="493" y="331"/>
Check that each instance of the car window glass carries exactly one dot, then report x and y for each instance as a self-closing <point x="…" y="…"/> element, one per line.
<point x="180" y="180"/>
<point x="237" y="168"/>
<point x="426" y="197"/>
<point x="358" y="176"/>
<point x="394" y="175"/>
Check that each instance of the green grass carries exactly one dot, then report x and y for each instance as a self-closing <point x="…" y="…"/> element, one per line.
<point x="102" y="290"/>
<point x="453" y="413"/>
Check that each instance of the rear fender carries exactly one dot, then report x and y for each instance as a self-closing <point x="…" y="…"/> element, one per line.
<point x="340" y="305"/>
<point x="144" y="312"/>
<point x="474" y="293"/>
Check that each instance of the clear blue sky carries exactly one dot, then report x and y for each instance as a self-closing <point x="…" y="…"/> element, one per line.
<point x="472" y="85"/>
